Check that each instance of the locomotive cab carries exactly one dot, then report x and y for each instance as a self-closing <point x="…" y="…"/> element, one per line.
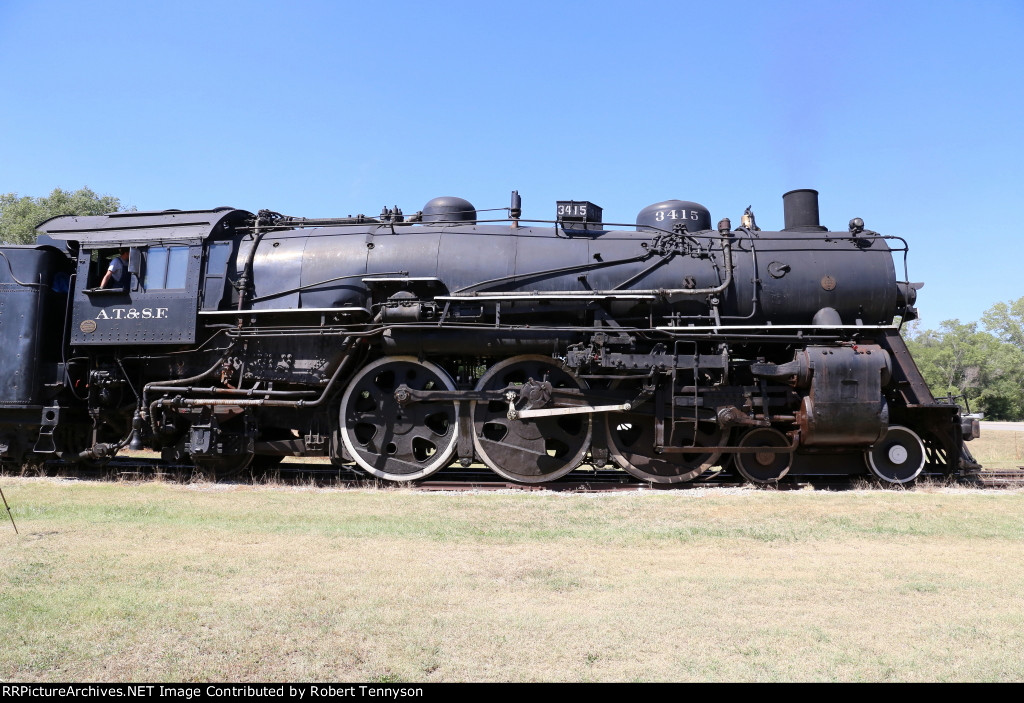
<point x="155" y="305"/>
<point x="158" y="299"/>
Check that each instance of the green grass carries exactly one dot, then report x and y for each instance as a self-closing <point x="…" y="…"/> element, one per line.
<point x="151" y="581"/>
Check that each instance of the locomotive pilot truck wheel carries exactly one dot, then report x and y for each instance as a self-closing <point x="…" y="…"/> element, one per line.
<point x="899" y="457"/>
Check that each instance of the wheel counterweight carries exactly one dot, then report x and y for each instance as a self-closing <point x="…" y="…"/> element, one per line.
<point x="395" y="442"/>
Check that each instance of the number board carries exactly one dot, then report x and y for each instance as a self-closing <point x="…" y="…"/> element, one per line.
<point x="579" y="214"/>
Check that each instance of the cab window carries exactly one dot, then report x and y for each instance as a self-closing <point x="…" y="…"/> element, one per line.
<point x="95" y="267"/>
<point x="166" y="267"/>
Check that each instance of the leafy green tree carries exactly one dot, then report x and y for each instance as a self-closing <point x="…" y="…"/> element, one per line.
<point x="959" y="360"/>
<point x="1006" y="320"/>
<point x="948" y="357"/>
<point x="19" y="216"/>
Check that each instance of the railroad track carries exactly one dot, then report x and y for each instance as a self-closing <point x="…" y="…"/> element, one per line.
<point x="468" y="479"/>
<point x="1001" y="478"/>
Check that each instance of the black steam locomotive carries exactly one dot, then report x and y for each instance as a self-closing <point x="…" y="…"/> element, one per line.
<point x="405" y="344"/>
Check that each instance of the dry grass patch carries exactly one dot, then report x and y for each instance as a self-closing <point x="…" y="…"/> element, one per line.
<point x="998" y="449"/>
<point x="166" y="582"/>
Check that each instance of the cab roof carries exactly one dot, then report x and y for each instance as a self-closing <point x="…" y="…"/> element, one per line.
<point x="126" y="228"/>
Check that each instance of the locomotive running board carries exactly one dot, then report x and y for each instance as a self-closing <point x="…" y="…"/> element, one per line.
<point x="718" y="328"/>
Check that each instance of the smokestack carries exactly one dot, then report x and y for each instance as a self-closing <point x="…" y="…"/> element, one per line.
<point x="800" y="208"/>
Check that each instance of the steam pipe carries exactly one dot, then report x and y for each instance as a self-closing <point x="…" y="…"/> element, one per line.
<point x="267" y="403"/>
<point x="327" y="221"/>
<point x="228" y="391"/>
<point x="177" y="382"/>
<point x="654" y="293"/>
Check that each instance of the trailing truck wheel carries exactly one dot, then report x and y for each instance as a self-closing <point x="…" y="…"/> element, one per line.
<point x="899" y="457"/>
<point x="268" y="462"/>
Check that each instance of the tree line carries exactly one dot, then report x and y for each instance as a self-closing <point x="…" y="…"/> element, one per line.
<point x="980" y="362"/>
<point x="20" y="215"/>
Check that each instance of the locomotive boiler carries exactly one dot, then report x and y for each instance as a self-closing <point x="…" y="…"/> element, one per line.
<point x="406" y="344"/>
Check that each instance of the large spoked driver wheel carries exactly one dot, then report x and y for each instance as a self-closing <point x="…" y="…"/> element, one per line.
<point x="528" y="450"/>
<point x="392" y="441"/>
<point x="631" y="443"/>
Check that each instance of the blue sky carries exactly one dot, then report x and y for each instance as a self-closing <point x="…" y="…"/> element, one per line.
<point x="907" y="114"/>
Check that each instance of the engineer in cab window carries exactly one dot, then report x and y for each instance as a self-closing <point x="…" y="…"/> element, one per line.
<point x="117" y="272"/>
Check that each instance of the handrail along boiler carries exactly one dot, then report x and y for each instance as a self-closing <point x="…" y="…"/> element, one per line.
<point x="405" y="345"/>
